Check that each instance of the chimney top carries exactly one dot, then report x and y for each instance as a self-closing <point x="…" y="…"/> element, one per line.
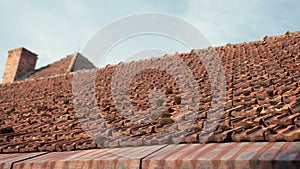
<point x="20" y="62"/>
<point x="21" y="49"/>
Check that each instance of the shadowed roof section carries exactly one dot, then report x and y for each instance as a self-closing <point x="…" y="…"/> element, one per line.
<point x="262" y="103"/>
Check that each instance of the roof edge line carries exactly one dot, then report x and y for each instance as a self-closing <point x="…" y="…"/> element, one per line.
<point x="74" y="59"/>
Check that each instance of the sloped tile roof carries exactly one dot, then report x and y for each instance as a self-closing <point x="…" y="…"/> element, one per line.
<point x="263" y="103"/>
<point x="60" y="67"/>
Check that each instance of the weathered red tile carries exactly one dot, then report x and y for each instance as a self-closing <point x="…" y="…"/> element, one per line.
<point x="7" y="160"/>
<point x="224" y="155"/>
<point x="262" y="91"/>
<point x="104" y="158"/>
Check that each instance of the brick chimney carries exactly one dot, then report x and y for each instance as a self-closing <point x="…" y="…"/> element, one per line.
<point x="20" y="62"/>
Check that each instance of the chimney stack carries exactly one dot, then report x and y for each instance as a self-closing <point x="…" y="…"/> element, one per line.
<point x="20" y="62"/>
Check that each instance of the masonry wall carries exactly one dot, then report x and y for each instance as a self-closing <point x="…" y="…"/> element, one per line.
<point x="11" y="66"/>
<point x="20" y="61"/>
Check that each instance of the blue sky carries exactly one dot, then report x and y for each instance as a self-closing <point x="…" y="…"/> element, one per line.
<point x="54" y="29"/>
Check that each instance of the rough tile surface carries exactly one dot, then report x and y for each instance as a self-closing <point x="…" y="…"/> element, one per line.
<point x="60" y="67"/>
<point x="262" y="103"/>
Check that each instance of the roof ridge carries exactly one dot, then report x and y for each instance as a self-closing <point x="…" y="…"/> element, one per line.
<point x="76" y="54"/>
<point x="54" y="62"/>
<point x="48" y="77"/>
<point x="259" y="41"/>
<point x="73" y="61"/>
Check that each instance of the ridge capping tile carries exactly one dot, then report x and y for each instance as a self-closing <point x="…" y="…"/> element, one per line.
<point x="113" y="158"/>
<point x="7" y="160"/>
<point x="226" y="155"/>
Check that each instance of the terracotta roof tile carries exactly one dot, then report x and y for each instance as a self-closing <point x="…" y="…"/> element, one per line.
<point x="7" y="160"/>
<point x="225" y="155"/>
<point x="104" y="158"/>
<point x="263" y="94"/>
<point x="60" y="67"/>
